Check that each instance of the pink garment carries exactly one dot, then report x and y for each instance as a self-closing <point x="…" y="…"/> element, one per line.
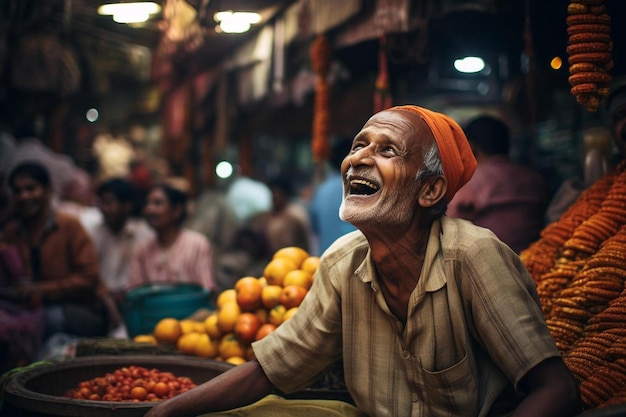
<point x="508" y="198"/>
<point x="189" y="259"/>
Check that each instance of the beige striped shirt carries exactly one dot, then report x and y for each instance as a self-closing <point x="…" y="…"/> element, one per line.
<point x="436" y="365"/>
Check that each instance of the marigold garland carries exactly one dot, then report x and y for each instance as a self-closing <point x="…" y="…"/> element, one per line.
<point x="320" y="62"/>
<point x="579" y="267"/>
<point x="589" y="48"/>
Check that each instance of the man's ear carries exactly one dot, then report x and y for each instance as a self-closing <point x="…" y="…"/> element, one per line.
<point x="433" y="191"/>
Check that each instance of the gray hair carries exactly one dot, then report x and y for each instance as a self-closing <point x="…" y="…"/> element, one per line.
<point x="432" y="167"/>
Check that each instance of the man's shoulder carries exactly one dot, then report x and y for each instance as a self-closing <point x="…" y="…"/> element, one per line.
<point x="353" y="244"/>
<point x="460" y="235"/>
<point x="191" y="236"/>
<point x="66" y="220"/>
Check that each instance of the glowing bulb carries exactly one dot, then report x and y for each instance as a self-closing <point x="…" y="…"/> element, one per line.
<point x="236" y="22"/>
<point x="469" y="64"/>
<point x="130" y="12"/>
<point x="556" y="63"/>
<point x="224" y="169"/>
<point x="92" y="115"/>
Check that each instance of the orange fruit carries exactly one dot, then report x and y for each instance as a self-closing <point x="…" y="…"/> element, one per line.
<point x="289" y="313"/>
<point x="145" y="338"/>
<point x="310" y="264"/>
<point x="246" y="327"/>
<point x="187" y="342"/>
<point x="138" y="393"/>
<point x="236" y="360"/>
<point x="206" y="347"/>
<point x="270" y="295"/>
<point x="229" y="346"/>
<point x="293" y="253"/>
<point x="199" y="326"/>
<point x="227" y="316"/>
<point x="264" y="330"/>
<point x="188" y="326"/>
<point x="226" y="296"/>
<point x="167" y="330"/>
<point x="292" y="296"/>
<point x="276" y="269"/>
<point x="276" y="315"/>
<point x="262" y="314"/>
<point x="212" y="329"/>
<point x="248" y="290"/>
<point x="298" y="277"/>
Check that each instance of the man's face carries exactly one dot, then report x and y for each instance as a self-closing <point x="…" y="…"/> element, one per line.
<point x="114" y="211"/>
<point x="30" y="197"/>
<point x="379" y="173"/>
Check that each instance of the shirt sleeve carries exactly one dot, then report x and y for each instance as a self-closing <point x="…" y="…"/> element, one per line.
<point x="505" y="312"/>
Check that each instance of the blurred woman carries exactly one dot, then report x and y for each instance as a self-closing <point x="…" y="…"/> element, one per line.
<point x="54" y="263"/>
<point x="175" y="253"/>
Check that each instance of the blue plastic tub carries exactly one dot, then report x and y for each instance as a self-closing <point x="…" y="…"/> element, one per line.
<point x="146" y="305"/>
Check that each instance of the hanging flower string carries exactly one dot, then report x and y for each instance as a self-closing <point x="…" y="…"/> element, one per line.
<point x="320" y="61"/>
<point x="382" y="92"/>
<point x="589" y="48"/>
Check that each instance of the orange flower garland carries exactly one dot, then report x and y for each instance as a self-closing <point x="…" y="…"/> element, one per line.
<point x="320" y="62"/>
<point x="579" y="267"/>
<point x="589" y="49"/>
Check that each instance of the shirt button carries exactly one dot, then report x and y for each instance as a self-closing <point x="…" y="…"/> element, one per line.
<point x="406" y="354"/>
<point x="414" y="397"/>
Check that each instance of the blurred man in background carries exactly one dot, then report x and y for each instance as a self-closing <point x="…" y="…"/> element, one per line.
<point x="506" y="197"/>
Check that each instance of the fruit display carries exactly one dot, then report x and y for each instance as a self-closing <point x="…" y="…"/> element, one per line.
<point x="579" y="267"/>
<point x="589" y="50"/>
<point x="249" y="311"/>
<point x="131" y="384"/>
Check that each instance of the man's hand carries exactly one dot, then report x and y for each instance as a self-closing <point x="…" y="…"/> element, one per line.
<point x="239" y="386"/>
<point x="552" y="391"/>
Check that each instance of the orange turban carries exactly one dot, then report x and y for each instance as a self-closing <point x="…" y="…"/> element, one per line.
<point x="457" y="157"/>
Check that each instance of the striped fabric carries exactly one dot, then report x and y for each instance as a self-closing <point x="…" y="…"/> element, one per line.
<point x="189" y="259"/>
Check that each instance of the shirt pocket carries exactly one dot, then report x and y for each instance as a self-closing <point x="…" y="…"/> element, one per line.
<point x="452" y="391"/>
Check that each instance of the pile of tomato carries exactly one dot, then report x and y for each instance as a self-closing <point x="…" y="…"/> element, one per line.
<point x="131" y="384"/>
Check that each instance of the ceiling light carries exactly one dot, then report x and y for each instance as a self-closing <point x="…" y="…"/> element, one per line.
<point x="469" y="64"/>
<point x="130" y="12"/>
<point x="236" y="22"/>
<point x="556" y="63"/>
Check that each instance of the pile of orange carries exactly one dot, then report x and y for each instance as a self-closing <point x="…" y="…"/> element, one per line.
<point x="251" y="310"/>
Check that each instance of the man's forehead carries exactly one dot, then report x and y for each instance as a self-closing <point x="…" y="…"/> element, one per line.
<point x="398" y="119"/>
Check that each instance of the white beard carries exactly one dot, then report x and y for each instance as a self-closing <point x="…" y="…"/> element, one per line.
<point x="394" y="210"/>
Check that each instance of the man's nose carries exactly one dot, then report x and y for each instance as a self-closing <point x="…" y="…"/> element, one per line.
<point x="361" y="156"/>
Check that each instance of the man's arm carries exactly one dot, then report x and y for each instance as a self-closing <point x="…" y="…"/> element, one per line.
<point x="552" y="391"/>
<point x="239" y="386"/>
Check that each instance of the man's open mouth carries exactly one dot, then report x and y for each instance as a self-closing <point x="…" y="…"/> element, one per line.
<point x="363" y="187"/>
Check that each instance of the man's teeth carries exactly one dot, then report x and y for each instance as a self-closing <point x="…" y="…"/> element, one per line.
<point x="363" y="186"/>
<point x="365" y="183"/>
